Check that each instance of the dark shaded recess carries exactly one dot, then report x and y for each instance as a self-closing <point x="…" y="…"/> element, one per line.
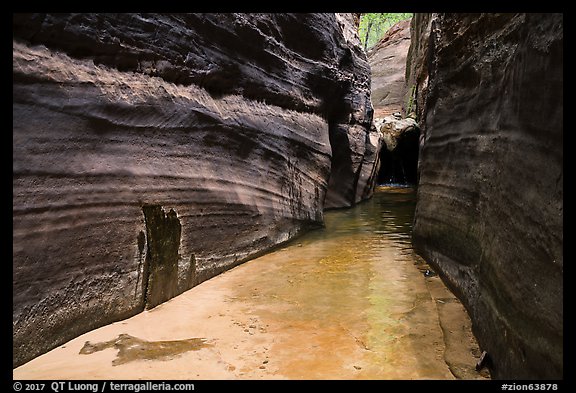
<point x="341" y="164"/>
<point x="335" y="107"/>
<point x="400" y="166"/>
<point x="74" y="33"/>
<point x="302" y="41"/>
<point x="160" y="276"/>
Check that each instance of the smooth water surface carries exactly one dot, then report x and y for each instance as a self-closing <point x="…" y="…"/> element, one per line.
<point x="348" y="301"/>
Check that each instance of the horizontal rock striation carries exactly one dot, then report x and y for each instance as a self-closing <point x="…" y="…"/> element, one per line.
<point x="355" y="162"/>
<point x="150" y="147"/>
<point x="489" y="214"/>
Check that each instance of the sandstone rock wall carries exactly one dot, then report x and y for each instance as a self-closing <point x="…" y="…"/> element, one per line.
<point x="417" y="60"/>
<point x="354" y="151"/>
<point x="387" y="61"/>
<point x="152" y="152"/>
<point x="489" y="214"/>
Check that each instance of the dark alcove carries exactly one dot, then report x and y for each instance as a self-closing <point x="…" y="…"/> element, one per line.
<point x="400" y="166"/>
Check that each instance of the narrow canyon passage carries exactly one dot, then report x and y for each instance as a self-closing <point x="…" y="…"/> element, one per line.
<point x="349" y="301"/>
<point x="156" y="155"/>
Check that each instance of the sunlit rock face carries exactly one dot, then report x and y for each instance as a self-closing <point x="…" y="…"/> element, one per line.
<point x="489" y="214"/>
<point x="387" y="61"/>
<point x="152" y="152"/>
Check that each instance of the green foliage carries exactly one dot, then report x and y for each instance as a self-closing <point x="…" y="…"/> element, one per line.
<point x="411" y="99"/>
<point x="374" y="26"/>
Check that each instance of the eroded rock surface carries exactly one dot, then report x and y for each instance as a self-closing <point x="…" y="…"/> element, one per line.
<point x="489" y="214"/>
<point x="387" y="60"/>
<point x="223" y="121"/>
<point x="354" y="151"/>
<point x="393" y="128"/>
<point x="417" y="60"/>
<point x="399" y="154"/>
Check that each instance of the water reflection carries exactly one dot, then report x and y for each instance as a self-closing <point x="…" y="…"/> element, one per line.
<point x="352" y="290"/>
<point x="388" y="214"/>
<point x="348" y="301"/>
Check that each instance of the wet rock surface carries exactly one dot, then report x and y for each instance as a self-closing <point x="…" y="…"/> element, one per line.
<point x="160" y="273"/>
<point x="227" y="119"/>
<point x="132" y="349"/>
<point x="489" y="215"/>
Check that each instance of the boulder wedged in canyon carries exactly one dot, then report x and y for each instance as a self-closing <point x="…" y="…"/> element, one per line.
<point x="489" y="214"/>
<point x="216" y="128"/>
<point x="387" y="61"/>
<point x="399" y="154"/>
<point x="393" y="129"/>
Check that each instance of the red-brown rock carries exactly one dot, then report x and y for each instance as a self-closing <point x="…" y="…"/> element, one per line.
<point x="489" y="214"/>
<point x="209" y="134"/>
<point x="387" y="60"/>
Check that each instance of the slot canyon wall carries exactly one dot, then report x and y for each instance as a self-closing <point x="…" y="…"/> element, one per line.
<point x="387" y="61"/>
<point x="399" y="154"/>
<point x="489" y="214"/>
<point x="152" y="152"/>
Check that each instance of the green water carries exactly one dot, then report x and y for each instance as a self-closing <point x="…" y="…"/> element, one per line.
<point x="347" y="301"/>
<point x="354" y="289"/>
